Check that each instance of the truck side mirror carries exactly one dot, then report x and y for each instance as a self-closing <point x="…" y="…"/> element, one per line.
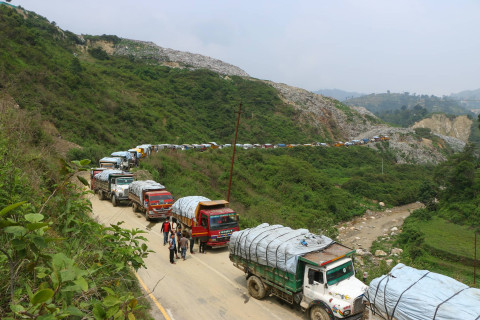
<point x="326" y="285"/>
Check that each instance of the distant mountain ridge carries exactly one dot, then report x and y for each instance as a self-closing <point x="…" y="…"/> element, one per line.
<point x="338" y="94"/>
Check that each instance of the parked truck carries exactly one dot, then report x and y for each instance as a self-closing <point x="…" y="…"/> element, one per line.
<point x="93" y="172"/>
<point x="151" y="198"/>
<point x="110" y="163"/>
<point x="113" y="184"/>
<point x="407" y="293"/>
<point x="211" y="221"/>
<point x="126" y="159"/>
<point x="301" y="268"/>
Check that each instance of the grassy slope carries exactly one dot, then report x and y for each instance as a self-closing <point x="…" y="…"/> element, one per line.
<point x="118" y="102"/>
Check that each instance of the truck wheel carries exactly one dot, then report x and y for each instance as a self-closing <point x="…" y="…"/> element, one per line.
<point x="134" y="207"/>
<point x="114" y="201"/>
<point x="319" y="313"/>
<point x="100" y="194"/>
<point x="256" y="288"/>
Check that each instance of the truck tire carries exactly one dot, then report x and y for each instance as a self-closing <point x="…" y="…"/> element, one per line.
<point x="318" y="313"/>
<point x="134" y="207"/>
<point x="256" y="288"/>
<point x="114" y="201"/>
<point x="100" y="194"/>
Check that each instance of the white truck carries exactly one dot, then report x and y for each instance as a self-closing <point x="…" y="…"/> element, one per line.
<point x="126" y="159"/>
<point x="301" y="268"/>
<point x="113" y="184"/>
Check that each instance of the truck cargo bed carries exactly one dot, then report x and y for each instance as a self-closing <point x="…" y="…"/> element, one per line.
<point x="333" y="252"/>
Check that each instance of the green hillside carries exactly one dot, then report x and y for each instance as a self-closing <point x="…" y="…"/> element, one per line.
<point x="404" y="109"/>
<point x="300" y="187"/>
<point x="94" y="98"/>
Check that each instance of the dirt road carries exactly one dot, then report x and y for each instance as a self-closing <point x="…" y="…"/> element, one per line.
<point x="205" y="286"/>
<point x="362" y="231"/>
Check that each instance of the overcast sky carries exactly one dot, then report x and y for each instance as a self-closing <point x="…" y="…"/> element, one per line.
<point x="423" y="47"/>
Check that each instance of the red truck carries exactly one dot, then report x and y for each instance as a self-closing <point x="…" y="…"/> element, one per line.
<point x="93" y="172"/>
<point x="151" y="198"/>
<point x="210" y="220"/>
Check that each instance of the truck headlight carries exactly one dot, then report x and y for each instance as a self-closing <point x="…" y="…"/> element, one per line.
<point x="346" y="312"/>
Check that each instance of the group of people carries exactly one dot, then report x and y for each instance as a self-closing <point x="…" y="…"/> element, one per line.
<point x="178" y="241"/>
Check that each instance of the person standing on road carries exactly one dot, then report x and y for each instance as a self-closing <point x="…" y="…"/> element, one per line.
<point x="192" y="241"/>
<point x="183" y="246"/>
<point x="179" y="236"/>
<point x="171" y="247"/>
<point x="165" y="229"/>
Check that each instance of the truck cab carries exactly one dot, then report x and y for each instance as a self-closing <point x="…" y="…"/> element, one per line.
<point x="158" y="203"/>
<point x="333" y="290"/>
<point x="215" y="225"/>
<point x="119" y="188"/>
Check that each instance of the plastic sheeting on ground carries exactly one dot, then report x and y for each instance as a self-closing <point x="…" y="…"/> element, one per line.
<point x="138" y="187"/>
<point x="186" y="206"/>
<point x="408" y="293"/>
<point x="125" y="154"/>
<point x="275" y="245"/>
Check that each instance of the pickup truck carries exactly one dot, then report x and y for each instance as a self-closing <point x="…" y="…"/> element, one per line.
<point x="151" y="198"/>
<point x="211" y="221"/>
<point x="301" y="268"/>
<point x="113" y="184"/>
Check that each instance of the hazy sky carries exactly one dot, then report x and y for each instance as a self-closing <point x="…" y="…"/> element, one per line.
<point x="430" y="47"/>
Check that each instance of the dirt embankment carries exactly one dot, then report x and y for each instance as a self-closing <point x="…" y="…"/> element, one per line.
<point x="360" y="232"/>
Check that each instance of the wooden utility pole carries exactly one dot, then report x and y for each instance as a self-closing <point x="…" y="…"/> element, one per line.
<point x="233" y="155"/>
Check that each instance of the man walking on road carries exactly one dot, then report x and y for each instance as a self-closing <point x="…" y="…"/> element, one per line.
<point x="171" y="247"/>
<point x="192" y="241"/>
<point x="165" y="229"/>
<point x="183" y="246"/>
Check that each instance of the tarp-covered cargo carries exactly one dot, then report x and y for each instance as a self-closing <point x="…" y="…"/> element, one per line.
<point x="138" y="187"/>
<point x="124" y="154"/>
<point x="110" y="159"/>
<point x="276" y="246"/>
<point x="103" y="176"/>
<point x="186" y="206"/>
<point x="407" y="293"/>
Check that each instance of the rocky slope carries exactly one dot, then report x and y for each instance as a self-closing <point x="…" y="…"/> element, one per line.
<point x="174" y="58"/>
<point x="458" y="127"/>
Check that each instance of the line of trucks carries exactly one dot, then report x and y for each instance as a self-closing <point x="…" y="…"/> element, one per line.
<point x="310" y="271"/>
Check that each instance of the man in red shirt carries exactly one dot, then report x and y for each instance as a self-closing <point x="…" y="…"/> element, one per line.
<point x="166" y="229"/>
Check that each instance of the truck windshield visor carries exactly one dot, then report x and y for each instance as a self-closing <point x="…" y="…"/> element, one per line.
<point x="161" y="199"/>
<point x="339" y="273"/>
<point x="124" y="180"/>
<point x="223" y="221"/>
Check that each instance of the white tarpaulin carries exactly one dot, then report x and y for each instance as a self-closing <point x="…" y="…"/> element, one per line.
<point x="137" y="187"/>
<point x="408" y="293"/>
<point x="109" y="159"/>
<point x="124" y="154"/>
<point x="275" y="245"/>
<point x="103" y="176"/>
<point x="186" y="206"/>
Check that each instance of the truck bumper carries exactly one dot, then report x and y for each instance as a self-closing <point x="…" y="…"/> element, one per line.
<point x="158" y="215"/>
<point x="215" y="244"/>
<point x="357" y="316"/>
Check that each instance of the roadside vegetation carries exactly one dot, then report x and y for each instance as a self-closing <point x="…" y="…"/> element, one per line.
<point x="55" y="260"/>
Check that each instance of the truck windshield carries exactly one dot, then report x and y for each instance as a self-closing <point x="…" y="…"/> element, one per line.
<point x="161" y="199"/>
<point x="222" y="221"/>
<point x="339" y="273"/>
<point x="124" y="180"/>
